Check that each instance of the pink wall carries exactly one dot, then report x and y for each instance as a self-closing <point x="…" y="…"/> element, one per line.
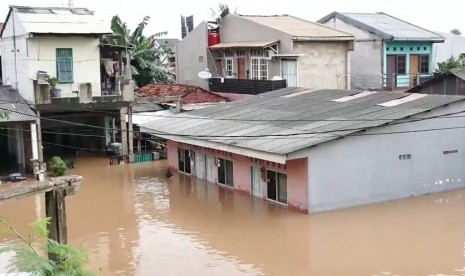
<point x="172" y="155"/>
<point x="296" y="170"/>
<point x="297" y="179"/>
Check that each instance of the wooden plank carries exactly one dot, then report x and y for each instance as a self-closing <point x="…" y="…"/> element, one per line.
<point x="11" y="191"/>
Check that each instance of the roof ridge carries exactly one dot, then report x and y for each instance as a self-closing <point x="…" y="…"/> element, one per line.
<point x="321" y="25"/>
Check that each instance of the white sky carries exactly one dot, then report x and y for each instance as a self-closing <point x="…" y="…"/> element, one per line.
<point x="165" y="15"/>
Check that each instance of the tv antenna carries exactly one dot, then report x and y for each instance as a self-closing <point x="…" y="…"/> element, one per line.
<point x="70" y="3"/>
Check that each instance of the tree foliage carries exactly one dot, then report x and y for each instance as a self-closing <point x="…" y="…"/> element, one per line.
<point x="144" y="52"/>
<point x="451" y="64"/>
<point x="456" y="31"/>
<point x="220" y="12"/>
<point x="58" y="166"/>
<point x="69" y="260"/>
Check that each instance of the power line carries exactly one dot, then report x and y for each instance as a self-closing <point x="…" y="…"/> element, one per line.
<point x="236" y="136"/>
<point x="445" y="116"/>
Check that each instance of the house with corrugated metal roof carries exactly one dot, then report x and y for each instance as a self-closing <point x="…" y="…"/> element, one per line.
<point x="54" y="57"/>
<point x="318" y="150"/>
<point x="389" y="52"/>
<point x="259" y="53"/>
<point x="18" y="132"/>
<point x="451" y="83"/>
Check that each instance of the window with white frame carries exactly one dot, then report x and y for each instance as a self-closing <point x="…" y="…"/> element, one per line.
<point x="259" y="69"/>
<point x="229" y="67"/>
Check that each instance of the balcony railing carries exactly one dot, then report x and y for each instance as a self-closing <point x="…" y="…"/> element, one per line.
<point x="245" y="86"/>
<point x="124" y="93"/>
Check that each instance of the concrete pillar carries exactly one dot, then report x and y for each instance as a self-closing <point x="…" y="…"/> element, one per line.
<point x="20" y="146"/>
<point x="39" y="138"/>
<point x="34" y="145"/>
<point x="113" y="129"/>
<point x="124" y="132"/>
<point x="130" y="135"/>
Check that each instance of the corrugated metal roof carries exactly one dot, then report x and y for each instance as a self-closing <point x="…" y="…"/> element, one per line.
<point x="15" y="106"/>
<point x="386" y="26"/>
<point x="300" y="28"/>
<point x="242" y="44"/>
<point x="303" y="116"/>
<point x="60" y="21"/>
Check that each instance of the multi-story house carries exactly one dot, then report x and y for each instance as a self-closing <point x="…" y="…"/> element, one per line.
<point x="260" y="53"/>
<point x="54" y="58"/>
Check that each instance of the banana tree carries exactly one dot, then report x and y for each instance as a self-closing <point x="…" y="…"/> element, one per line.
<point x="145" y="54"/>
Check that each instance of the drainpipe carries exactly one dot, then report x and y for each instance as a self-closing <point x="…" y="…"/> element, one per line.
<point x="348" y="70"/>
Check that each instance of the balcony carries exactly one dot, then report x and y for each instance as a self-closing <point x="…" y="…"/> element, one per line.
<point x="245" y="86"/>
<point x="121" y="95"/>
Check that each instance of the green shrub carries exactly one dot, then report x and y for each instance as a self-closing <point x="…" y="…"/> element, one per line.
<point x="58" y="166"/>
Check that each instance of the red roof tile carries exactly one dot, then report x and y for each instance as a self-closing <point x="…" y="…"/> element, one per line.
<point x="190" y="94"/>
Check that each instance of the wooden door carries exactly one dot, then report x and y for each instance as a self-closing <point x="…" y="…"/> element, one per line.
<point x="414" y="69"/>
<point x="199" y="166"/>
<point x="241" y="74"/>
<point x="391" y="63"/>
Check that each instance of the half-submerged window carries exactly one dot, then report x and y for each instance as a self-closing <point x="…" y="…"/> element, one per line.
<point x="184" y="161"/>
<point x="225" y="172"/>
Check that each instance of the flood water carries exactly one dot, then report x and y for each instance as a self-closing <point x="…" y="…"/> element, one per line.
<point x="134" y="221"/>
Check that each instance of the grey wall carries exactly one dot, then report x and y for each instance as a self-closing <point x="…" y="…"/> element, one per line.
<point x="366" y="59"/>
<point x="322" y="64"/>
<point x="192" y="57"/>
<point x="364" y="169"/>
<point x="236" y="28"/>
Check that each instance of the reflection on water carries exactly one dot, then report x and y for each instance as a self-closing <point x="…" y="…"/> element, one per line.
<point x="134" y="221"/>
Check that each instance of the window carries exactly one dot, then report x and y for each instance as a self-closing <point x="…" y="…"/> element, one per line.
<point x="387" y="48"/>
<point x="259" y="68"/>
<point x="276" y="186"/>
<point x="64" y="62"/>
<point x="228" y="53"/>
<point x="229" y="67"/>
<point x="184" y="161"/>
<point x="225" y="172"/>
<point x="200" y="58"/>
<point x="400" y="60"/>
<point x="424" y="64"/>
<point x="401" y="48"/>
<point x="411" y="48"/>
<point x="405" y="157"/>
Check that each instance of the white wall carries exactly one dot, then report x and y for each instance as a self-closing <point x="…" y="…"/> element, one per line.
<point x="364" y="169"/>
<point x="86" y="61"/>
<point x="323" y="65"/>
<point x="366" y="59"/>
<point x="454" y="45"/>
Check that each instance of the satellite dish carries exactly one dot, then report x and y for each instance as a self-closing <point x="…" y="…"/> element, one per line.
<point x="205" y="74"/>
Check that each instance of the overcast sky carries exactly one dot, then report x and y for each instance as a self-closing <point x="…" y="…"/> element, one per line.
<point x="165" y="15"/>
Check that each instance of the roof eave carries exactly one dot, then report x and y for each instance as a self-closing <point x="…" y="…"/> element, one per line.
<point x="273" y="157"/>
<point x="427" y="39"/>
<point x="323" y="38"/>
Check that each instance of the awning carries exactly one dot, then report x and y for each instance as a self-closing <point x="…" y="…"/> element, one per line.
<point x="244" y="44"/>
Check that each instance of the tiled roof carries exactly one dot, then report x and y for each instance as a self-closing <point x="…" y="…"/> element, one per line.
<point x="190" y="94"/>
<point x="300" y="28"/>
<point x="15" y="106"/>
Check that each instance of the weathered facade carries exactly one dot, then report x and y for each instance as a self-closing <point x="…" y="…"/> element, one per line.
<point x="284" y="146"/>
<point x="452" y="83"/>
<point x="267" y="48"/>
<point x="53" y="56"/>
<point x="388" y="52"/>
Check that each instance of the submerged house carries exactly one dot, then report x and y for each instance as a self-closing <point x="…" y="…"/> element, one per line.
<point x="54" y="58"/>
<point x="389" y="52"/>
<point x="317" y="150"/>
<point x="259" y="53"/>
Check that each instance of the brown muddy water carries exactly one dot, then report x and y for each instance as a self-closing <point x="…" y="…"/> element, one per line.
<point x="134" y="221"/>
